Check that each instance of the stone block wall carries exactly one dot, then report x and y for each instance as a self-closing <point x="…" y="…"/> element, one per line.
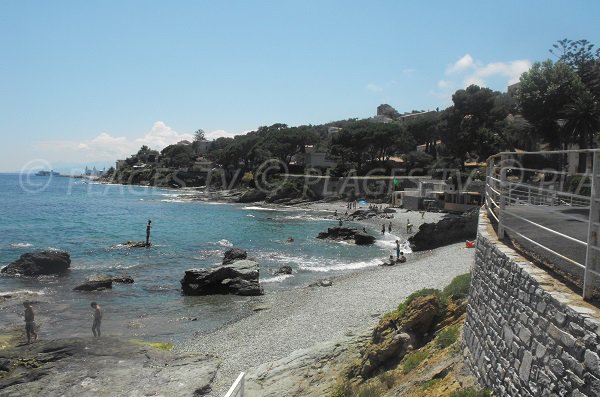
<point x="525" y="333"/>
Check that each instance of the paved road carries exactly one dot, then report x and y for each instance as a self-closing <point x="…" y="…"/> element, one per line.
<point x="571" y="221"/>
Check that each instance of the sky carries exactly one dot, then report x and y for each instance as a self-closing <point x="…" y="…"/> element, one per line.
<point x="89" y="82"/>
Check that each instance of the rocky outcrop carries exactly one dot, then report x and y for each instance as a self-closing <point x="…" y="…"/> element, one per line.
<point x="134" y="244"/>
<point x="393" y="338"/>
<point x="234" y="254"/>
<point x="111" y="367"/>
<point x="237" y="276"/>
<point x="40" y="263"/>
<point x="363" y="238"/>
<point x="386" y="110"/>
<point x="451" y="229"/>
<point x="102" y="282"/>
<point x="340" y="233"/>
<point x="283" y="270"/>
<point x="252" y="196"/>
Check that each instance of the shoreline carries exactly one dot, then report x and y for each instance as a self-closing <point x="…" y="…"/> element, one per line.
<point x="296" y="318"/>
<point x="301" y="318"/>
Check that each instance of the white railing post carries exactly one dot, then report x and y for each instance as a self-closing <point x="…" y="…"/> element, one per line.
<point x="591" y="255"/>
<point x="237" y="389"/>
<point x="502" y="197"/>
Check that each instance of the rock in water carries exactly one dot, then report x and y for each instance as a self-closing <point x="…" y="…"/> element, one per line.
<point x="135" y="244"/>
<point x="40" y="263"/>
<point x="362" y="238"/>
<point x="94" y="285"/>
<point x="238" y="278"/>
<point x="122" y="279"/>
<point x="234" y="254"/>
<point x="341" y="233"/>
<point x="449" y="230"/>
<point x="283" y="270"/>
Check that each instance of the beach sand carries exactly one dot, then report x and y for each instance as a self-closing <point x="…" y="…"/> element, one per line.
<point x="299" y="318"/>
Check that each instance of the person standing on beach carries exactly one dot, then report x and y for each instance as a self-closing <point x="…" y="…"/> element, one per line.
<point x="390" y="227"/>
<point x="29" y="322"/>
<point x="397" y="249"/>
<point x="97" y="319"/>
<point x="148" y="227"/>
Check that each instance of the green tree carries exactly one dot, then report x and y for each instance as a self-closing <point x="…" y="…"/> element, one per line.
<point x="544" y="92"/>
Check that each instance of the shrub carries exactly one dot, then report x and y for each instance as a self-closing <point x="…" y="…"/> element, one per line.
<point x="447" y="336"/>
<point x="471" y="392"/>
<point x="412" y="360"/>
<point x="429" y="383"/>
<point x="458" y="287"/>
<point x="422" y="292"/>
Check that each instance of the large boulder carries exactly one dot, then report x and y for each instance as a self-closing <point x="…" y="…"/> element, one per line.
<point x="362" y="238"/>
<point x="234" y="254"/>
<point x="451" y="229"/>
<point x="341" y="233"/>
<point x="39" y="263"/>
<point x="238" y="278"/>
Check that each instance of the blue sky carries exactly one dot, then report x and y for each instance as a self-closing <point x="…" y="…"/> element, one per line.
<point x="87" y="82"/>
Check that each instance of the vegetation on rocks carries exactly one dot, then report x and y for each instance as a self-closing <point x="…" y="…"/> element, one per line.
<point x="415" y="349"/>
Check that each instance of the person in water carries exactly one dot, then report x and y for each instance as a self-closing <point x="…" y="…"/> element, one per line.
<point x="148" y="227"/>
<point x="390" y="227"/>
<point x="290" y="240"/>
<point x="383" y="229"/>
<point x="29" y="322"/>
<point x="97" y="319"/>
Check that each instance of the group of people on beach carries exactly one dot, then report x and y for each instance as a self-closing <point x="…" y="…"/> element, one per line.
<point x="30" y="321"/>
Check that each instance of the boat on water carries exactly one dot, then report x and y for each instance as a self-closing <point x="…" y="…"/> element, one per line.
<point x="47" y="173"/>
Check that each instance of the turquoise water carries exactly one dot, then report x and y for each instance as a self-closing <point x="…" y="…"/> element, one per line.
<point x="90" y="220"/>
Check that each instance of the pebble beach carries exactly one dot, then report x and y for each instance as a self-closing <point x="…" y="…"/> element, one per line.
<point x="291" y="319"/>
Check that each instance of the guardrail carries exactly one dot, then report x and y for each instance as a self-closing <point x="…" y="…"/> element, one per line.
<point x="237" y="388"/>
<point x="552" y="212"/>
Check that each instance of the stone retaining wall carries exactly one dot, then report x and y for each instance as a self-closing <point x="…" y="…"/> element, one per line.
<point x="526" y="334"/>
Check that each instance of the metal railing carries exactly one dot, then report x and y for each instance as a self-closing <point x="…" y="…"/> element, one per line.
<point x="237" y="389"/>
<point x="553" y="213"/>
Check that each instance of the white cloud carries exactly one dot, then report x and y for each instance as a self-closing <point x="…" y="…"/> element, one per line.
<point x="374" y="87"/>
<point x="464" y="63"/>
<point x="511" y="70"/>
<point x="106" y="147"/>
<point x="444" y="84"/>
<point x="497" y="74"/>
<point x="161" y="136"/>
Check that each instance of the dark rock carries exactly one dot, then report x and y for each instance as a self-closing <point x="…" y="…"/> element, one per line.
<point x="284" y="270"/>
<point x="122" y="279"/>
<point x="322" y="283"/>
<point x="451" y="229"/>
<point x="239" y="278"/>
<point x="389" y="210"/>
<point x="341" y="233"/>
<point x="252" y="196"/>
<point x="97" y="284"/>
<point x="362" y="238"/>
<point x="40" y="263"/>
<point x="135" y="244"/>
<point x="234" y="254"/>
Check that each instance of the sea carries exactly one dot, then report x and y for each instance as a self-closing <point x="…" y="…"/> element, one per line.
<point x="91" y="221"/>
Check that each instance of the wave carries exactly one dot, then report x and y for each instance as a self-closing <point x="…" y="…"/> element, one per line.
<point x="224" y="243"/>
<point x="341" y="266"/>
<point x="179" y="200"/>
<point x="20" y="245"/>
<point x="276" y="279"/>
<point x="24" y="292"/>
<point x="257" y="208"/>
<point x="250" y="215"/>
<point x="389" y="243"/>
